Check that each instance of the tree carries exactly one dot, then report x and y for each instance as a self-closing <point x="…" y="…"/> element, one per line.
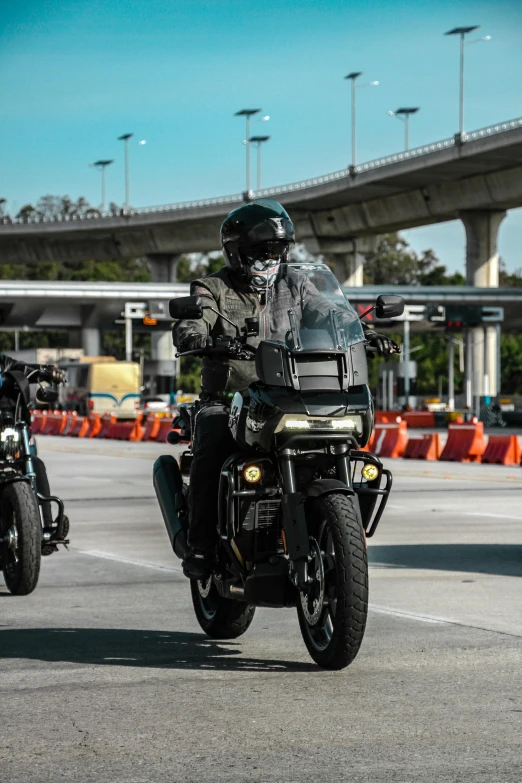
<point x="507" y="280"/>
<point x="394" y="262"/>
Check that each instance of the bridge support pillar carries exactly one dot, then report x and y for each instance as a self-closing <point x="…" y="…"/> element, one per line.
<point x="482" y="270"/>
<point x="348" y="264"/>
<point x="91" y="341"/>
<point x="162" y="267"/>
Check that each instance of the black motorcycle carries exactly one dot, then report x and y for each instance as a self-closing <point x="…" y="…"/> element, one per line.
<point x="27" y="529"/>
<point x="299" y="498"/>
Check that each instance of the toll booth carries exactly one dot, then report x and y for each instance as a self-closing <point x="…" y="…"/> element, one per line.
<point x="390" y="392"/>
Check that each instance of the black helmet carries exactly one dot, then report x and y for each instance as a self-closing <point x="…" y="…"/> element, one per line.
<point x="255" y="240"/>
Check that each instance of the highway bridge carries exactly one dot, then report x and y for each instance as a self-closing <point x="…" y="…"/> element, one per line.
<point x="475" y="178"/>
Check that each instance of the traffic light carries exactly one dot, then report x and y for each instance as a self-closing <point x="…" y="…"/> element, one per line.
<point x="459" y="317"/>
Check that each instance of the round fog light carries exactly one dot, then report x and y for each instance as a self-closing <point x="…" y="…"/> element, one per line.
<point x="370" y="472"/>
<point x="252" y="474"/>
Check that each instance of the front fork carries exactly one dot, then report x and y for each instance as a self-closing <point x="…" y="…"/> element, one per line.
<point x="29" y="466"/>
<point x="294" y="517"/>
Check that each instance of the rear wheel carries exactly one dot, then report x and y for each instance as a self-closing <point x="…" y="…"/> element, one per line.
<point x="332" y="612"/>
<point x="220" y="618"/>
<point x="21" y="532"/>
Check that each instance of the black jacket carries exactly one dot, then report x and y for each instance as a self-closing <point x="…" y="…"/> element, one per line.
<point x="221" y="291"/>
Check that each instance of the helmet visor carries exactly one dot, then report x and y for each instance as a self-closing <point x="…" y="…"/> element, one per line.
<point x="265" y="255"/>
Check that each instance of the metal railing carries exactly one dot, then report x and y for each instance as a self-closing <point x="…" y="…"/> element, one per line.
<point x="371" y="165"/>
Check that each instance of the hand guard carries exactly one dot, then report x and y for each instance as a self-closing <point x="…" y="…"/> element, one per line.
<point x="382" y="344"/>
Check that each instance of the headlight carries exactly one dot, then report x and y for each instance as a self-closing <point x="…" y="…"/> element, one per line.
<point x="297" y="422"/>
<point x="252" y="474"/>
<point x="370" y="471"/>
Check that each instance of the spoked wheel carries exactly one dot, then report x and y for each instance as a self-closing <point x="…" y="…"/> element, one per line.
<point x="332" y="612"/>
<point x="21" y="535"/>
<point x="220" y="618"/>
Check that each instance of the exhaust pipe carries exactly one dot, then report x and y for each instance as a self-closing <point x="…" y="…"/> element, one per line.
<point x="168" y="485"/>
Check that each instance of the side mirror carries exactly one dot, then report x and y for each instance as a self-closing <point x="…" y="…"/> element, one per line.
<point x="186" y="307"/>
<point x="389" y="306"/>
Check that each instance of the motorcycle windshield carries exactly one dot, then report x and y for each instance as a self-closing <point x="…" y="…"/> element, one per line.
<point x="306" y="310"/>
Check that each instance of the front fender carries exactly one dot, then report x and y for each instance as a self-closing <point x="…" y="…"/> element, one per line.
<point x="11" y="479"/>
<point x="326" y="487"/>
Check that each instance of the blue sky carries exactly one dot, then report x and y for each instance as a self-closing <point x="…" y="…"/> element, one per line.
<point x="76" y="74"/>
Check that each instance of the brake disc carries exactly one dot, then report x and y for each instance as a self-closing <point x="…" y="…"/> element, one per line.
<point x="312" y="601"/>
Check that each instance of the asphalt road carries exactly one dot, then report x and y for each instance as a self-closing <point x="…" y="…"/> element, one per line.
<point x="105" y="675"/>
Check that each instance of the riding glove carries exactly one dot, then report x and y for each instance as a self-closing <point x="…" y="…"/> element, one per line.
<point x="383" y="345"/>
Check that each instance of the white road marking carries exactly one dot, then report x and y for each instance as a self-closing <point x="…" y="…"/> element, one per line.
<point x="498" y="515"/>
<point x="421" y="618"/>
<point x="128" y="560"/>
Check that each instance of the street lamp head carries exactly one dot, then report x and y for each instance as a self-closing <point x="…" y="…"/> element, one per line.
<point x="259" y="139"/>
<point x="265" y="118"/>
<point x="247" y="112"/>
<point x="125" y="136"/>
<point x="462" y="30"/>
<point x="391" y="113"/>
<point x="410" y="110"/>
<point x="102" y="163"/>
<point x="353" y="75"/>
<point x="374" y="84"/>
<point x="142" y="142"/>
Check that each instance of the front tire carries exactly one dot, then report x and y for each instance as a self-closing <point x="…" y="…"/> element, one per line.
<point x="332" y="613"/>
<point x="21" y="530"/>
<point x="220" y="618"/>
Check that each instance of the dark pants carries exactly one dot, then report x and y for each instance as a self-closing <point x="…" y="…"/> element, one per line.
<point x="213" y="444"/>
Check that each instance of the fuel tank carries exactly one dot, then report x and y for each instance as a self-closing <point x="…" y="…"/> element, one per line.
<point x="168" y="485"/>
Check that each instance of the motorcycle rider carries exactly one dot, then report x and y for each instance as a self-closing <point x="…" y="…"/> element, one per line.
<point x="33" y="373"/>
<point x="256" y="239"/>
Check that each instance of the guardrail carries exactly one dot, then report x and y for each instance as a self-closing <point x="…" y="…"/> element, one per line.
<point x="371" y="165"/>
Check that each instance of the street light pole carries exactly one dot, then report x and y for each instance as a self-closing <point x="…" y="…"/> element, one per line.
<point x="247" y="113"/>
<point x="352" y="77"/>
<point x="258" y="141"/>
<point x="462" y="32"/>
<point x="102" y="165"/>
<point x="404" y="115"/>
<point x="125" y="138"/>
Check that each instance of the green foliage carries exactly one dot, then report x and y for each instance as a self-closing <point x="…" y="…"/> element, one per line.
<point x="394" y="262"/>
<point x="115" y="271"/>
<point x="432" y="363"/>
<point x="189" y="378"/>
<point x="511" y="363"/>
<point x="507" y="280"/>
<point x="191" y="268"/>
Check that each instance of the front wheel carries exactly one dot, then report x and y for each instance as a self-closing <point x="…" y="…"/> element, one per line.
<point x="21" y="533"/>
<point x="220" y="618"/>
<point x="333" y="610"/>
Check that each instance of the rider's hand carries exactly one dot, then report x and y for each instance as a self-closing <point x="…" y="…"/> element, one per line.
<point x="52" y="374"/>
<point x="194" y="341"/>
<point x="383" y="345"/>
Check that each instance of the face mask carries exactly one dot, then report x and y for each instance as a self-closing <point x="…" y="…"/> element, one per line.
<point x="263" y="274"/>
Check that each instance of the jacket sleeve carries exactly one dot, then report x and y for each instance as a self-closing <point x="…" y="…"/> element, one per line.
<point x="8" y="363"/>
<point x="202" y="326"/>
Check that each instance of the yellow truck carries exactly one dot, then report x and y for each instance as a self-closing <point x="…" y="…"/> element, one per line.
<point x="100" y="384"/>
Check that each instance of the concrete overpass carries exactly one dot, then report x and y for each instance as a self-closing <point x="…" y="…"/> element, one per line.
<point x="475" y="178"/>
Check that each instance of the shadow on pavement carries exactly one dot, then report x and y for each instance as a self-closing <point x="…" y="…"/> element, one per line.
<point x="499" y="559"/>
<point x="136" y="648"/>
